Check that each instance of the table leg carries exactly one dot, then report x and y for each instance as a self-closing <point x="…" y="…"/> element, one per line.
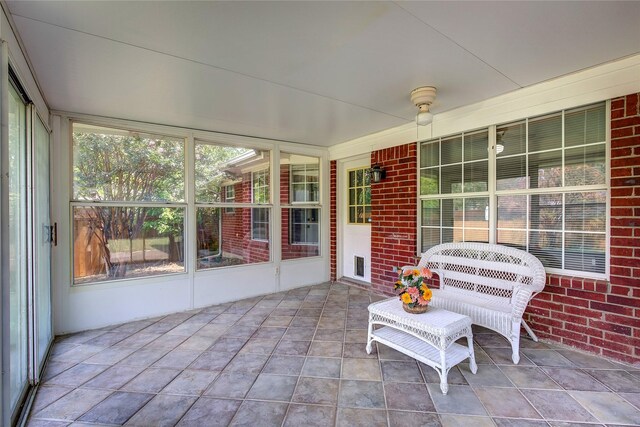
<point x="444" y="369"/>
<point x="444" y="384"/>
<point x="369" y="336"/>
<point x="472" y="356"/>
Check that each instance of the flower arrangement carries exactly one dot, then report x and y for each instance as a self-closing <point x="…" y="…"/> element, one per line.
<point x="411" y="287"/>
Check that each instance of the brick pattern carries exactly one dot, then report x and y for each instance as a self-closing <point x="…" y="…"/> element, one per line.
<point x="236" y="229"/>
<point x="622" y="305"/>
<point x="598" y="316"/>
<point x="333" y="189"/>
<point x="232" y="229"/>
<point x="393" y="210"/>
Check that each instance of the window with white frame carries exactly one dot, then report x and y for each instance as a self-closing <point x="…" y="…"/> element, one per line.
<point x="549" y="190"/>
<point x="304" y="189"/>
<point x="229" y="196"/>
<point x="359" y="203"/>
<point x="304" y="183"/>
<point x="128" y="207"/>
<point x="225" y="225"/>
<point x="454" y="185"/>
<point x="230" y="193"/>
<point x="305" y="226"/>
<point x="260" y="194"/>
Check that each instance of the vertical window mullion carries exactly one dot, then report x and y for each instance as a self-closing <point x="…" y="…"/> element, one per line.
<point x="492" y="185"/>
<point x="564" y="201"/>
<point x="462" y="180"/>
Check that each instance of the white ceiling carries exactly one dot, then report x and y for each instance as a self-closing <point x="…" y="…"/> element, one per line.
<point x="309" y="72"/>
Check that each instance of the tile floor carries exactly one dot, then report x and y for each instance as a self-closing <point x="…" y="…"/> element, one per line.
<point x="298" y="359"/>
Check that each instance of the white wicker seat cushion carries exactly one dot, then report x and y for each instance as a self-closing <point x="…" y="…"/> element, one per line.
<point x="472" y="300"/>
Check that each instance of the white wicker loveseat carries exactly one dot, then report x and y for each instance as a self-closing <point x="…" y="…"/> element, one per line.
<point x="492" y="284"/>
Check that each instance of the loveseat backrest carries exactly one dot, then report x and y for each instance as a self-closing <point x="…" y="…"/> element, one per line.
<point x="486" y="270"/>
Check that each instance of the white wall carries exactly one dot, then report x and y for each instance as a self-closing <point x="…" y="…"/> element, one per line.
<point x="88" y="306"/>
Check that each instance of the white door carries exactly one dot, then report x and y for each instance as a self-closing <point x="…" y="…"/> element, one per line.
<point x="16" y="234"/>
<point x="355" y="213"/>
<point x="27" y="238"/>
<point x="41" y="246"/>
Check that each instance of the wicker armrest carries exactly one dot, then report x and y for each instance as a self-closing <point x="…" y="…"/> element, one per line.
<point x="519" y="300"/>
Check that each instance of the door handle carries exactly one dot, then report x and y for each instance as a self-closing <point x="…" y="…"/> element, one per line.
<point x="53" y="236"/>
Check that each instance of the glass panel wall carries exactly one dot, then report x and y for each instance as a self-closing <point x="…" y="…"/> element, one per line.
<point x="17" y="231"/>
<point x="116" y="242"/>
<point x="119" y="229"/>
<point x="300" y="198"/>
<point x="42" y="242"/>
<point x="233" y="205"/>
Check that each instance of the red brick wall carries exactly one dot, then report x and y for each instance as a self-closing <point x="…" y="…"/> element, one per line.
<point x="393" y="211"/>
<point x="232" y="226"/>
<point x="598" y="316"/>
<point x="236" y="228"/>
<point x="332" y="220"/>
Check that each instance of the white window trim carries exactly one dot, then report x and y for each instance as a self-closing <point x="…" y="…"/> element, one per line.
<point x="365" y="169"/>
<point x="73" y="203"/>
<point x="227" y="199"/>
<point x="493" y="193"/>
<point x="306" y="183"/>
<point x="262" y="171"/>
<point x="291" y="223"/>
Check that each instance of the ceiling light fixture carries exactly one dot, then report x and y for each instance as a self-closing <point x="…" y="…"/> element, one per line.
<point x="423" y="97"/>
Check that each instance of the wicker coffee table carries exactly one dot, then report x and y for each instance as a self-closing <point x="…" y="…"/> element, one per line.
<point x="429" y="337"/>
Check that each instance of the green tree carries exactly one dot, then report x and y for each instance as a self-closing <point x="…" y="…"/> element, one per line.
<point x="212" y="170"/>
<point x="117" y="166"/>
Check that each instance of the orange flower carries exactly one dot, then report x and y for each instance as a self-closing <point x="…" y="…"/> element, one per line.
<point x="427" y="294"/>
<point x="406" y="298"/>
<point x="407" y="272"/>
<point x="425" y="272"/>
